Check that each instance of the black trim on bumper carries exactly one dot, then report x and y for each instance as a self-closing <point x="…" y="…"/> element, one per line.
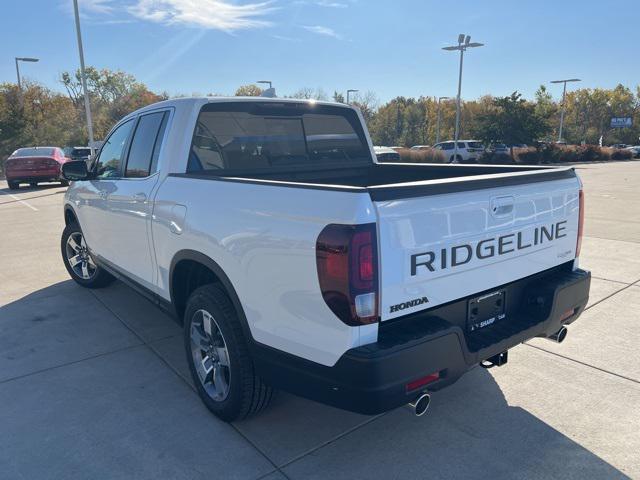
<point x="372" y="379"/>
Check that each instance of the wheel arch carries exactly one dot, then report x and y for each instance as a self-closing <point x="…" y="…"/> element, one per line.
<point x="191" y="262"/>
<point x="70" y="215"/>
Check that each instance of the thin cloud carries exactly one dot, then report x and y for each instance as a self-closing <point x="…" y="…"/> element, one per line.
<point x="329" y="4"/>
<point x="209" y="14"/>
<point x="320" y="30"/>
<point x="97" y="6"/>
<point x="321" y="3"/>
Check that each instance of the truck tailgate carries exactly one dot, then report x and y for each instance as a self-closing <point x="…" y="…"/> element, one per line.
<point x="438" y="247"/>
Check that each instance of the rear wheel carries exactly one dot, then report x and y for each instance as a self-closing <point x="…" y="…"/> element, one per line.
<point x="79" y="262"/>
<point x="13" y="185"/>
<point x="33" y="184"/>
<point x="455" y="159"/>
<point x="218" y="356"/>
<point x="64" y="183"/>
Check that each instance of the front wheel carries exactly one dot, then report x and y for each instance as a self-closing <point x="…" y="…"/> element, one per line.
<point x="79" y="262"/>
<point x="218" y="356"/>
<point x="13" y="185"/>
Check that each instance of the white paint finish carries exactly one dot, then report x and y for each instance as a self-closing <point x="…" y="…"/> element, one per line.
<point x="264" y="239"/>
<point x="418" y="225"/>
<point x="263" y="236"/>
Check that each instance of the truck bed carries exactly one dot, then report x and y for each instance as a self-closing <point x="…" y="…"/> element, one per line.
<point x="397" y="180"/>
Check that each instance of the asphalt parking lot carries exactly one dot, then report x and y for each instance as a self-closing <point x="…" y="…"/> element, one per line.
<point x="94" y="384"/>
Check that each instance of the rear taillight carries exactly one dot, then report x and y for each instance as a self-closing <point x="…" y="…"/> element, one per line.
<point x="580" y="222"/>
<point x="347" y="261"/>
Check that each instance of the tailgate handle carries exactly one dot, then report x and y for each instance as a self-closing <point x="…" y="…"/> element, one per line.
<point x="501" y="206"/>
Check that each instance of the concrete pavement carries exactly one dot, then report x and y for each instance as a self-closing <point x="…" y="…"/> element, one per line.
<point x="94" y="384"/>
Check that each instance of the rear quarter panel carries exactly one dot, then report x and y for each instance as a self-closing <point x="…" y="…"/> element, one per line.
<point x="264" y="238"/>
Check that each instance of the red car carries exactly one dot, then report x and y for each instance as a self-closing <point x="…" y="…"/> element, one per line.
<point x="33" y="165"/>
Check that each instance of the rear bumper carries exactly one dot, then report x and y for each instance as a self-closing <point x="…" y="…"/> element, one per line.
<point x="27" y="176"/>
<point x="372" y="379"/>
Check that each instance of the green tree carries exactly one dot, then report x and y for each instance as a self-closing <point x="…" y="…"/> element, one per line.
<point x="511" y="120"/>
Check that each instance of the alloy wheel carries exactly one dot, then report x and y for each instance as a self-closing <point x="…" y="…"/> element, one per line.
<point x="79" y="257"/>
<point x="210" y="355"/>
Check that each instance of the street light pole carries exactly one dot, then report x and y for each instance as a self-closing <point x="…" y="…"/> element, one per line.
<point x="87" y="106"/>
<point x="23" y="59"/>
<point x="564" y="96"/>
<point x="438" y="122"/>
<point x="348" y="93"/>
<point x="464" y="42"/>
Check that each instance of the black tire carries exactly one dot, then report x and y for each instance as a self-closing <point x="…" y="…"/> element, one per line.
<point x="246" y="393"/>
<point x="13" y="185"/>
<point x="98" y="276"/>
<point x="64" y="183"/>
<point x="33" y="184"/>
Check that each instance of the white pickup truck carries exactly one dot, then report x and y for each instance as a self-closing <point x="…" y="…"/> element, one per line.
<point x="296" y="261"/>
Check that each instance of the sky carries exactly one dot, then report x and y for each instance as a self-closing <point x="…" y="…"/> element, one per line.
<point x="392" y="48"/>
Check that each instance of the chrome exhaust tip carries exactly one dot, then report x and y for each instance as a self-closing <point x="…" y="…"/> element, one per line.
<point x="559" y="336"/>
<point x="421" y="404"/>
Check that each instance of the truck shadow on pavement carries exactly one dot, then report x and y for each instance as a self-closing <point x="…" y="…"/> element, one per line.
<point x="470" y="430"/>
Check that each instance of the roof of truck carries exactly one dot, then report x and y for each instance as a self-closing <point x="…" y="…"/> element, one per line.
<point x="202" y="100"/>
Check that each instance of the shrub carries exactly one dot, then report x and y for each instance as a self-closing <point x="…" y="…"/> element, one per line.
<point x="496" y="158"/>
<point x="621" y="154"/>
<point x="529" y="155"/>
<point x="421" y="156"/>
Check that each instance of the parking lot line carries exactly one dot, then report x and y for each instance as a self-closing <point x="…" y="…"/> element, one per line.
<point x="21" y="201"/>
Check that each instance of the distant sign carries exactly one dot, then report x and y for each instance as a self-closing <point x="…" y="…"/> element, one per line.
<point x="621" y="122"/>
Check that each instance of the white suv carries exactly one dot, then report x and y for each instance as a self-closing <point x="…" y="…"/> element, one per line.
<point x="469" y="151"/>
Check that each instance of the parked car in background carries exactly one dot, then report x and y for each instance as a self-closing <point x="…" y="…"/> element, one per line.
<point x="500" y="148"/>
<point x="80" y="153"/>
<point x="421" y="147"/>
<point x="396" y="148"/>
<point x="386" y="154"/>
<point x="619" y="145"/>
<point x="635" y="151"/>
<point x="34" y="164"/>
<point x="469" y="151"/>
<point x="520" y="145"/>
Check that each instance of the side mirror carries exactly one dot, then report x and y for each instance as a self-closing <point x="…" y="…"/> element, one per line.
<point x="75" y="170"/>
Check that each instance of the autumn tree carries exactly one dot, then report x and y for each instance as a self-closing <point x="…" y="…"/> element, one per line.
<point x="250" y="90"/>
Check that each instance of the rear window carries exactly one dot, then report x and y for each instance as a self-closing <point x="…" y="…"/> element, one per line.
<point x="34" y="152"/>
<point x="246" y="136"/>
<point x="81" y="152"/>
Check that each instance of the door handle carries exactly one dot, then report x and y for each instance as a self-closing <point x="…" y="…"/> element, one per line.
<point x="140" y="197"/>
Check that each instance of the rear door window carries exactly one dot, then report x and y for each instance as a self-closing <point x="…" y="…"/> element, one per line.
<point x="143" y="145"/>
<point x="249" y="136"/>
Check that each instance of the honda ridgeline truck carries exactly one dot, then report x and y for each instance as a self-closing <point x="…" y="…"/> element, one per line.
<point x="297" y="261"/>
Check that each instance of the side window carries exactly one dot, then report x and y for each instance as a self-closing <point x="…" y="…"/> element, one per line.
<point x="461" y="145"/>
<point x="112" y="153"/>
<point x="143" y="145"/>
<point x="447" y="146"/>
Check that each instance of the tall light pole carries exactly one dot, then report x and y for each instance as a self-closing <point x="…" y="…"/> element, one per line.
<point x="464" y="42"/>
<point x="87" y="106"/>
<point x="23" y="59"/>
<point x="438" y="122"/>
<point x="349" y="92"/>
<point x="564" y="95"/>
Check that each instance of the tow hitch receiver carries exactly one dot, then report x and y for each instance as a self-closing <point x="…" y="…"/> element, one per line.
<point x="496" y="361"/>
